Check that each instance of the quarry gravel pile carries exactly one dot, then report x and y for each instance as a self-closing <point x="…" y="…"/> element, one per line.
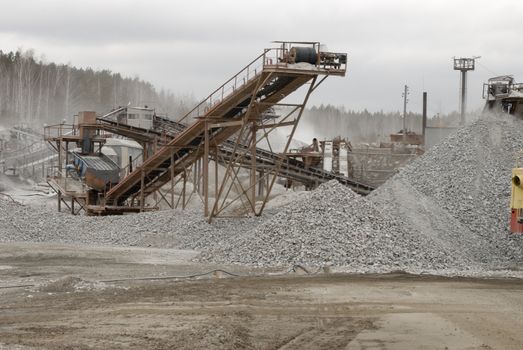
<point x="446" y="211"/>
<point x="335" y="226"/>
<point x="449" y="209"/>
<point x="165" y="229"/>
<point x="459" y="191"/>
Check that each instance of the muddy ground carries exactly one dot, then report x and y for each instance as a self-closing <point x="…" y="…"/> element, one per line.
<point x="67" y="297"/>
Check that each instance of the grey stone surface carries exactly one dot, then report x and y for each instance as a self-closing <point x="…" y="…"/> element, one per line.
<point x="446" y="211"/>
<point x="335" y="226"/>
<point x="459" y="191"/>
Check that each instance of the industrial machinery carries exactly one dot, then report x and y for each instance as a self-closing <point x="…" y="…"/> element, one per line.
<point x="502" y="94"/>
<point x="369" y="164"/>
<point x="97" y="171"/>
<point x="330" y="156"/>
<point x="70" y="183"/>
<point x="226" y="127"/>
<point x="136" y="116"/>
<point x="83" y="172"/>
<point x="516" y="201"/>
<point x="408" y="138"/>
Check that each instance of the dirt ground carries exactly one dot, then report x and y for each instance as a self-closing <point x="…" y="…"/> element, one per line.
<point x="67" y="297"/>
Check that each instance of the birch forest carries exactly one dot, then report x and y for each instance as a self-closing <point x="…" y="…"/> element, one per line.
<point x="34" y="92"/>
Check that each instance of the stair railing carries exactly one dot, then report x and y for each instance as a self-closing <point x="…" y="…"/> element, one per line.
<point x="249" y="72"/>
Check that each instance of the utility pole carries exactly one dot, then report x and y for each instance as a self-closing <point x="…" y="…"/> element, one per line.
<point x="405" y="100"/>
<point x="424" y="116"/>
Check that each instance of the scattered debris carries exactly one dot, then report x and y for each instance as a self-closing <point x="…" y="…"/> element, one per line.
<point x="70" y="284"/>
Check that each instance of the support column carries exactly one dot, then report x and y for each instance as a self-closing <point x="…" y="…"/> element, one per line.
<point x="184" y="187"/>
<point x="144" y="152"/>
<point x="206" y="170"/>
<point x="253" y="167"/>
<point x="200" y="172"/>
<point x="142" y="194"/>
<point x="405" y="94"/>
<point x="66" y="161"/>
<point x="216" y="179"/>
<point x="172" y="181"/>
<point x="59" y="146"/>
<point x="195" y="176"/>
<point x="66" y="152"/>
<point x="463" y="96"/>
<point x="261" y="183"/>
<point x="424" y="116"/>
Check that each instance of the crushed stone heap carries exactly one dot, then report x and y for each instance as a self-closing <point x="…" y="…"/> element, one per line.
<point x="165" y="229"/>
<point x="446" y="211"/>
<point x="333" y="225"/>
<point x="459" y="192"/>
<point x="449" y="209"/>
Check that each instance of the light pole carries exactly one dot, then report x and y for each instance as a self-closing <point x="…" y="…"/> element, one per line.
<point x="464" y="64"/>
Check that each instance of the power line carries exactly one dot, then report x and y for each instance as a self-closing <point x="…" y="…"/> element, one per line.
<point x="487" y="69"/>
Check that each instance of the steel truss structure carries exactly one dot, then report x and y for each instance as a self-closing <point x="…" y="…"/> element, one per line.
<point x="226" y="128"/>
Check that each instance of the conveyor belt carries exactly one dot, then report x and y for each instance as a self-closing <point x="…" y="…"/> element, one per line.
<point x="291" y="168"/>
<point x="154" y="172"/>
<point x="261" y="83"/>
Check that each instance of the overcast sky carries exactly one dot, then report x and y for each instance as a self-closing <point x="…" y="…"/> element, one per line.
<point x="192" y="47"/>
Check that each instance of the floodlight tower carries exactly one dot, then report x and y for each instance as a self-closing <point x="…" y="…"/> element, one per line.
<point x="464" y="65"/>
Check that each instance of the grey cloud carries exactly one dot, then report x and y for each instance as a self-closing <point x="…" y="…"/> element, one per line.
<point x="193" y="46"/>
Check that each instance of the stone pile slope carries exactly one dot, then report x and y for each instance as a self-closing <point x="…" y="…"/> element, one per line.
<point x="22" y="223"/>
<point x="448" y="210"/>
<point x="335" y="226"/>
<point x="459" y="191"/>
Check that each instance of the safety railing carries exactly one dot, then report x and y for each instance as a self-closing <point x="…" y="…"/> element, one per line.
<point x="59" y="130"/>
<point x="500" y="89"/>
<point x="249" y="72"/>
<point x="274" y="58"/>
<point x="65" y="181"/>
<point x="27" y="159"/>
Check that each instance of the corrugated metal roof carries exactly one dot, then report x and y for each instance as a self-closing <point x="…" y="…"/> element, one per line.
<point x="98" y="162"/>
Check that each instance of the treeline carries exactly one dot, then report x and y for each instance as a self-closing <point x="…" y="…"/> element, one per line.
<point x="35" y="92"/>
<point x="327" y="121"/>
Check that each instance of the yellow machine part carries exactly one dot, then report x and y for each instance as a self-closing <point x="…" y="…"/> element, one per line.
<point x="516" y="198"/>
